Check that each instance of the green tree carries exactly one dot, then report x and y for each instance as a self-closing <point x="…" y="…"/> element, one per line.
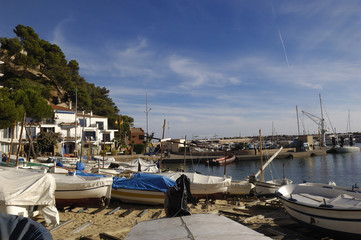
<point x="46" y="141"/>
<point x="8" y="110"/>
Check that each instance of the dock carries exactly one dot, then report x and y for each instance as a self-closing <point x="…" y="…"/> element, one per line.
<point x="242" y="155"/>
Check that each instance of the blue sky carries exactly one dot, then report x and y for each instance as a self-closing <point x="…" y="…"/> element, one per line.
<point x="226" y="68"/>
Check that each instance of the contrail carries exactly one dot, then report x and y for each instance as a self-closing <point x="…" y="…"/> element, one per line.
<point x="279" y="33"/>
<point x="284" y="49"/>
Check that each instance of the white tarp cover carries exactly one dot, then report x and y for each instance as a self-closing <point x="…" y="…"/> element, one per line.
<point x="77" y="182"/>
<point x="25" y="188"/>
<point x="203" y="184"/>
<point x="146" y="166"/>
<point x="29" y="188"/>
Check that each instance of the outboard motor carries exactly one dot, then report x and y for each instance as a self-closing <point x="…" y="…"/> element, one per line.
<point x="176" y="198"/>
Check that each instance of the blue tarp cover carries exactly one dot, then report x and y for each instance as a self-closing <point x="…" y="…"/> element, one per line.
<point x="81" y="173"/>
<point x="80" y="166"/>
<point x="144" y="181"/>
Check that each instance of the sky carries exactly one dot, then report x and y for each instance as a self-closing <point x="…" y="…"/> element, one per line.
<point x="211" y="68"/>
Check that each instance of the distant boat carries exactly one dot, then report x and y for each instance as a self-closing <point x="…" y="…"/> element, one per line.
<point x="324" y="206"/>
<point x="224" y="160"/>
<point x="343" y="145"/>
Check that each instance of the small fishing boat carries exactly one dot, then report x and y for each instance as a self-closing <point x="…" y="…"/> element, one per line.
<point x="142" y="188"/>
<point x="82" y="189"/>
<point x="224" y="160"/>
<point x="269" y="187"/>
<point x="324" y="206"/>
<point x="204" y="186"/>
<point x="242" y="187"/>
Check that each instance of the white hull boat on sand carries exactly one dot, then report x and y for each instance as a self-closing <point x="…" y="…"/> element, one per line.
<point x="81" y="190"/>
<point x="203" y="186"/>
<point x="324" y="206"/>
<point x="268" y="187"/>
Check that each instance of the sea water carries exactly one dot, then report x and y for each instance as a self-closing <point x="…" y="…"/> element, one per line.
<point x="343" y="169"/>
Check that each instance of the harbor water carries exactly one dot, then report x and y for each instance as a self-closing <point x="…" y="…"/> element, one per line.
<point x="343" y="169"/>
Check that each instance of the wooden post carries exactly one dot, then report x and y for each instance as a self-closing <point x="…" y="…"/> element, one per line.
<point x="89" y="149"/>
<point x="11" y="144"/>
<point x="260" y="153"/>
<point x="103" y="148"/>
<point x="31" y="144"/>
<point x="185" y="153"/>
<point x="20" y="139"/>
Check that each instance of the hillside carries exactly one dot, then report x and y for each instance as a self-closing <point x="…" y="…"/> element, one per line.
<point x="37" y="72"/>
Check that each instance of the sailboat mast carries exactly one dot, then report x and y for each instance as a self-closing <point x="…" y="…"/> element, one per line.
<point x="260" y="153"/>
<point x="298" y="122"/>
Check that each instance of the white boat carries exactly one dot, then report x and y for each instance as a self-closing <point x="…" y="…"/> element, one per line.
<point x="203" y="186"/>
<point x="242" y="187"/>
<point x="142" y="188"/>
<point x="23" y="191"/>
<point x="269" y="187"/>
<point x="79" y="190"/>
<point x="324" y="206"/>
<point x="346" y="149"/>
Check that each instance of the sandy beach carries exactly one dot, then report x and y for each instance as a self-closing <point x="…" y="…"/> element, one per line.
<point x="263" y="215"/>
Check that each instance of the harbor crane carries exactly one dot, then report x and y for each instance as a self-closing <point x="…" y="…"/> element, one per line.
<point x="320" y="121"/>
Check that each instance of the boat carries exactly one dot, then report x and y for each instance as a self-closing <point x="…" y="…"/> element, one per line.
<point x="82" y="189"/>
<point x="204" y="186"/>
<point x="142" y="188"/>
<point x="224" y="160"/>
<point x="269" y="187"/>
<point x="28" y="193"/>
<point x="242" y="187"/>
<point x="343" y="145"/>
<point x="197" y="226"/>
<point x="332" y="208"/>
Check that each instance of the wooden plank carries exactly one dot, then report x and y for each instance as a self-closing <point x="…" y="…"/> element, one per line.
<point x="113" y="211"/>
<point x="127" y="212"/>
<point x="61" y="225"/>
<point x="142" y="213"/>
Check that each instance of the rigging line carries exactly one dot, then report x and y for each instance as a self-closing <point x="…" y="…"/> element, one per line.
<point x="333" y="130"/>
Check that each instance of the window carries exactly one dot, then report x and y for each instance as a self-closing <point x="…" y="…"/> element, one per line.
<point x="82" y="122"/>
<point x="100" y="125"/>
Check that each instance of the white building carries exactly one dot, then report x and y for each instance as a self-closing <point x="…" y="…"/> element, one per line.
<point x="90" y="130"/>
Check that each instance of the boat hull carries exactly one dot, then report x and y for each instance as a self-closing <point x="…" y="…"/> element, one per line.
<point x="313" y="209"/>
<point x="89" y="197"/>
<point x="138" y="196"/>
<point x="347" y="149"/>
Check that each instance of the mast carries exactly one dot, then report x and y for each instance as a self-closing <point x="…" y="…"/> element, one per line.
<point x="146" y="118"/>
<point x="76" y="125"/>
<point x="260" y="153"/>
<point x="298" y="122"/>
<point x="323" y="130"/>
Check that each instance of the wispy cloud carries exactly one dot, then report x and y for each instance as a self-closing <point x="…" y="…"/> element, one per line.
<point x="195" y="74"/>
